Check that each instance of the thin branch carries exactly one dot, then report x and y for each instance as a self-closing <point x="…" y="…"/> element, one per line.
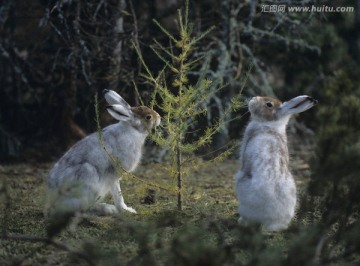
<point x="258" y="69"/>
<point x="286" y="40"/>
<point x="116" y="162"/>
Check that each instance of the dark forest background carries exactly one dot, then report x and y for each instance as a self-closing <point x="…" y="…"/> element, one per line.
<point x="56" y="55"/>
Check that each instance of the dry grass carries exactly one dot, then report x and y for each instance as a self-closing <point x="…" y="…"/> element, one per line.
<point x="148" y="237"/>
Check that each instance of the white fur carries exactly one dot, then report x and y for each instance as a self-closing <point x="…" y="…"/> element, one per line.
<point x="85" y="174"/>
<point x="265" y="187"/>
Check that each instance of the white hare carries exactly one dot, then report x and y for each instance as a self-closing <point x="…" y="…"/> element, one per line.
<point x="265" y="187"/>
<point x="85" y="174"/>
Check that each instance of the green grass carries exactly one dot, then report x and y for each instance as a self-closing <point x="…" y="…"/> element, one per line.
<point x="204" y="233"/>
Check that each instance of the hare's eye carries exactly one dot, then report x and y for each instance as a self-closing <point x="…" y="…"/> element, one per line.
<point x="269" y="104"/>
<point x="148" y="117"/>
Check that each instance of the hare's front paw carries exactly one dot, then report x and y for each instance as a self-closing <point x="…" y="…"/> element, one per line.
<point x="129" y="209"/>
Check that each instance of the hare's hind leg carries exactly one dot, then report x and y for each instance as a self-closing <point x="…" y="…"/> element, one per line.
<point x="119" y="199"/>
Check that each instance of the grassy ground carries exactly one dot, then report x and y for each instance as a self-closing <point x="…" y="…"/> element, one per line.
<point x="204" y="233"/>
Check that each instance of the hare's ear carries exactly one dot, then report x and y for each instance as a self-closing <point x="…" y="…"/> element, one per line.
<point x="113" y="98"/>
<point x="119" y="112"/>
<point x="297" y="105"/>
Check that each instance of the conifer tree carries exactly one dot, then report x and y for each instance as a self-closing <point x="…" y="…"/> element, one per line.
<point x="180" y="101"/>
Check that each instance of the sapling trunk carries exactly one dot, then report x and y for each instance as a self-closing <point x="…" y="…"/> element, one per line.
<point x="179" y="177"/>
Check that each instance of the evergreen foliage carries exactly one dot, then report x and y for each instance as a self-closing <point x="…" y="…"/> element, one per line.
<point x="182" y="102"/>
<point x="333" y="203"/>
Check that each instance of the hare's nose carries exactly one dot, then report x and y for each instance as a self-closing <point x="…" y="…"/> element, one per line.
<point x="158" y="121"/>
<point x="254" y="99"/>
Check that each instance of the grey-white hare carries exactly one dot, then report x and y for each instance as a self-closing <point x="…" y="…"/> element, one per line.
<point x="265" y="187"/>
<point x="85" y="174"/>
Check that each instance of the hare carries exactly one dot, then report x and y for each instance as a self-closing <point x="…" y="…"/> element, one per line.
<point x="85" y="174"/>
<point x="265" y="187"/>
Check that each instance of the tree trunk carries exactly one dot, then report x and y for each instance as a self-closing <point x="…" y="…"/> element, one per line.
<point x="117" y="52"/>
<point x="71" y="131"/>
